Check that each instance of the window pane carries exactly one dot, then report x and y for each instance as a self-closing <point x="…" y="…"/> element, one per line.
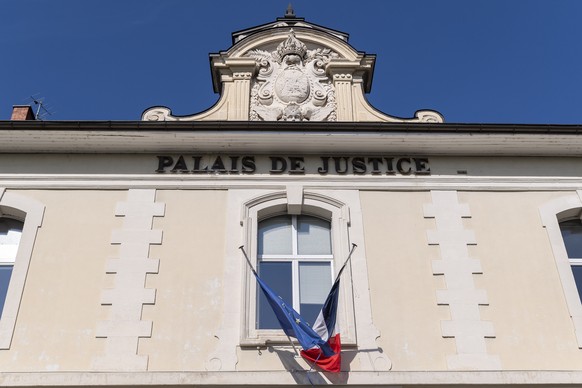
<point x="277" y="275"/>
<point x="313" y="235"/>
<point x="10" y="232"/>
<point x="314" y="286"/>
<point x="5" y="273"/>
<point x="577" y="271"/>
<point x="275" y="236"/>
<point x="572" y="235"/>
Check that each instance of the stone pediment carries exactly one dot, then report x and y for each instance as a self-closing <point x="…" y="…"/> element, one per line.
<point x="291" y="70"/>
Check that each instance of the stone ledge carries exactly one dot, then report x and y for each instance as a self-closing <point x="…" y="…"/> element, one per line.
<point x="280" y="378"/>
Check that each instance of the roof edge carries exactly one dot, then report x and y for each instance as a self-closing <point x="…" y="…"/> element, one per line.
<point x="261" y="126"/>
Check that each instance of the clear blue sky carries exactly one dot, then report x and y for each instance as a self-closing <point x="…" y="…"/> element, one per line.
<point x="489" y="61"/>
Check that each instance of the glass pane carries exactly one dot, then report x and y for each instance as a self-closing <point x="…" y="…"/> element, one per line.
<point x="572" y="235"/>
<point x="314" y="286"/>
<point x="313" y="236"/>
<point x="277" y="275"/>
<point x="5" y="273"/>
<point x="577" y="271"/>
<point x="10" y="232"/>
<point x="275" y="236"/>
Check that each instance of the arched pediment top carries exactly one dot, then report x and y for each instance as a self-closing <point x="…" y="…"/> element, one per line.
<point x="262" y="53"/>
<point x="313" y="203"/>
<point x="291" y="70"/>
<point x="314" y="39"/>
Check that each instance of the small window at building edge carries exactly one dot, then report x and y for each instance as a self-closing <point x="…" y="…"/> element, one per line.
<point x="294" y="256"/>
<point x="10" y="233"/>
<point x="572" y="236"/>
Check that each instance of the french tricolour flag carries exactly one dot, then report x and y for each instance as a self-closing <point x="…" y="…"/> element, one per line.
<point x="325" y="327"/>
<point x="320" y="342"/>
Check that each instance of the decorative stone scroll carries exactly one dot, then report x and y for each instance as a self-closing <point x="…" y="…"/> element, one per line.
<point x="291" y="84"/>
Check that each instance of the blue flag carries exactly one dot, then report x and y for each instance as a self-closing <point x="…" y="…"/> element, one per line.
<point x="292" y="323"/>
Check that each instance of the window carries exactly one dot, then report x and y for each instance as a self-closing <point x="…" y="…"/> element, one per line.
<point x="561" y="218"/>
<point x="297" y="241"/>
<point x="10" y="233"/>
<point x="333" y="213"/>
<point x="572" y="236"/>
<point x="20" y="219"/>
<point x="295" y="258"/>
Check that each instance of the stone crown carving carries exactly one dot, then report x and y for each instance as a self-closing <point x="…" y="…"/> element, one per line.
<point x="290" y="46"/>
<point x="291" y="84"/>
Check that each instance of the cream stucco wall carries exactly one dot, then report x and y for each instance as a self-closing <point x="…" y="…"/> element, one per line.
<point x="61" y="305"/>
<point x="403" y="298"/>
<point x="55" y="329"/>
<point x="527" y="304"/>
<point x="527" y="308"/>
<point x="189" y="284"/>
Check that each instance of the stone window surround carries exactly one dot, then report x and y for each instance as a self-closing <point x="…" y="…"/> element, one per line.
<point x="295" y="202"/>
<point x="552" y="213"/>
<point x="340" y="205"/>
<point x="31" y="212"/>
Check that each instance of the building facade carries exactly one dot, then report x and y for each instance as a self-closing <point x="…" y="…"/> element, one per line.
<point x="120" y="242"/>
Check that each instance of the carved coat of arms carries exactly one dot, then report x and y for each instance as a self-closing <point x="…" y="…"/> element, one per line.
<point x="291" y="84"/>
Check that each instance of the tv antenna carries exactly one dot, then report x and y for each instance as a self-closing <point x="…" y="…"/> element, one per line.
<point x="42" y="108"/>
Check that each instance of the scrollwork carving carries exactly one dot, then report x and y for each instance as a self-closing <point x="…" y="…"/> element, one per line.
<point x="429" y="116"/>
<point x="158" y="114"/>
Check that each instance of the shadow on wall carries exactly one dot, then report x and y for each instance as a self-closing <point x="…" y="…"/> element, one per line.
<point x="313" y="376"/>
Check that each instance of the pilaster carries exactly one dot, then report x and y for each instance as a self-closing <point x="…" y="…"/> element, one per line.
<point x="341" y="73"/>
<point x="343" y="91"/>
<point x="239" y="111"/>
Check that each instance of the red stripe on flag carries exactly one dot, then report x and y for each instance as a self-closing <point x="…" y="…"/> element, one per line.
<point x="328" y="364"/>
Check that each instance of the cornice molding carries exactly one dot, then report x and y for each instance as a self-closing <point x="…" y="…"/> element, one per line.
<point x="265" y="137"/>
<point x="309" y="182"/>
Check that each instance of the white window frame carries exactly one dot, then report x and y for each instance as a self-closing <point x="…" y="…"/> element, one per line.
<point x="552" y="213"/>
<point x="295" y="259"/>
<point x="574" y="261"/>
<point x="31" y="212"/>
<point x="11" y="260"/>
<point x="275" y="204"/>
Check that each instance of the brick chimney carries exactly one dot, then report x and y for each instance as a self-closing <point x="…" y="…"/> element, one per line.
<point x="22" y="112"/>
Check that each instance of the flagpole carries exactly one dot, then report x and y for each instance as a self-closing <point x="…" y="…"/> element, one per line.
<point x="354" y="246"/>
<point x="242" y="248"/>
<point x="293" y="345"/>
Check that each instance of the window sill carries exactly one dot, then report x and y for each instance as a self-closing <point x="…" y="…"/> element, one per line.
<point x="281" y="340"/>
